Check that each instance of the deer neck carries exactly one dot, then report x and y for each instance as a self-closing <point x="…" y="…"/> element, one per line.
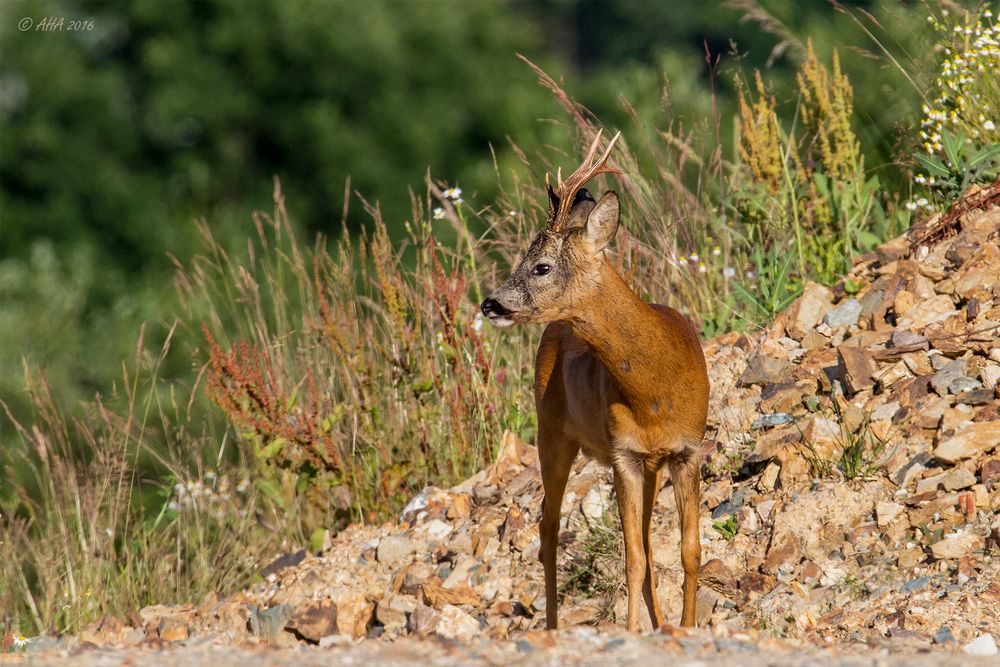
<point x="629" y="338"/>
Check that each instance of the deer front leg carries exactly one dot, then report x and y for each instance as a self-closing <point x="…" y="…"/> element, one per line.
<point x="555" y="455"/>
<point x="628" y="476"/>
<point x="652" y="478"/>
<point x="686" y="477"/>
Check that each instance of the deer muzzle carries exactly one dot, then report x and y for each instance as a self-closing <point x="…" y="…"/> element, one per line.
<point x="496" y="312"/>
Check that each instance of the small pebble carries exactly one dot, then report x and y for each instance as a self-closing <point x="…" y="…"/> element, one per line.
<point x="915" y="585"/>
<point x="944" y="636"/>
<point x="981" y="645"/>
<point x="614" y="643"/>
<point x="771" y="420"/>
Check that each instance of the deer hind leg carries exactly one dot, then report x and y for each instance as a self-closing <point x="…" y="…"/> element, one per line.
<point x="685" y="474"/>
<point x="652" y="478"/>
<point x="555" y="454"/>
<point x="628" y="474"/>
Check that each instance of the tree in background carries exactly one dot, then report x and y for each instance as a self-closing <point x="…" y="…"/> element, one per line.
<point x="115" y="138"/>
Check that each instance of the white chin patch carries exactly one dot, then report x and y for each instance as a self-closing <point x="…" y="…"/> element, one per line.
<point x="501" y="321"/>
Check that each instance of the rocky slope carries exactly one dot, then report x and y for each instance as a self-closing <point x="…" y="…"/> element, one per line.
<point x="851" y="503"/>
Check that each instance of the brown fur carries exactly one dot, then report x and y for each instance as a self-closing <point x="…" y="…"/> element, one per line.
<point x="620" y="379"/>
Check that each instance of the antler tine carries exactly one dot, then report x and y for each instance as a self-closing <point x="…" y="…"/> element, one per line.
<point x="607" y="152"/>
<point x="585" y="166"/>
<point x="587" y="170"/>
<point x="599" y="167"/>
<point x="553" y="198"/>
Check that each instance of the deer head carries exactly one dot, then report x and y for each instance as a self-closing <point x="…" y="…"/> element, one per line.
<point x="562" y="265"/>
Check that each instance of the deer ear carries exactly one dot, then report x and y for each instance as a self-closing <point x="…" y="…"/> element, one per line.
<point x="602" y="223"/>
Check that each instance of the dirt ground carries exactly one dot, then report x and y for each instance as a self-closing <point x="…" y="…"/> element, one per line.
<point x="577" y="646"/>
<point x="805" y="560"/>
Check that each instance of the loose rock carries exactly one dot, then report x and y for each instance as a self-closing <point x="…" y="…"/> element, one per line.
<point x="975" y="439"/>
<point x="844" y="315"/>
<point x="982" y="645"/>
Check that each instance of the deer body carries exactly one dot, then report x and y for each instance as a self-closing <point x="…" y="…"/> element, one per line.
<point x="622" y="380"/>
<point x="626" y="375"/>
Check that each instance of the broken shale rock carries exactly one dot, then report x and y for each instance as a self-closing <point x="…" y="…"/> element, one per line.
<point x="804" y="532"/>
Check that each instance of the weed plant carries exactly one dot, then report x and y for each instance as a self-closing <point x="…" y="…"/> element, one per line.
<point x="350" y="373"/>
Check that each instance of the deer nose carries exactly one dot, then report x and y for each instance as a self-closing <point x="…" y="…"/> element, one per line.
<point x="492" y="307"/>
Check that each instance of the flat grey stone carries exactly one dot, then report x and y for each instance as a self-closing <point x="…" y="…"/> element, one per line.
<point x="844" y="315"/>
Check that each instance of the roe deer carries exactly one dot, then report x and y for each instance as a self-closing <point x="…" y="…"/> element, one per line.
<point x="623" y="380"/>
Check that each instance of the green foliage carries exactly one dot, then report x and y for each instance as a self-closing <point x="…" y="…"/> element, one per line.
<point x="595" y="567"/>
<point x="351" y="374"/>
<point x="960" y="130"/>
<point x="929" y="535"/>
<point x="728" y="528"/>
<point x="852" y="286"/>
<point x="355" y="377"/>
<point x="772" y="287"/>
<point x="119" y="508"/>
<point x="64" y="308"/>
<point x="860" y="450"/>
<point x="166" y="112"/>
<point x="807" y="185"/>
<point x="195" y="105"/>
<point x="857" y="451"/>
<point x="114" y="139"/>
<point x="960" y="167"/>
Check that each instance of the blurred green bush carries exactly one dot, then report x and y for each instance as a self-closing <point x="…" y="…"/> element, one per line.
<point x="115" y="138"/>
<point x="350" y="373"/>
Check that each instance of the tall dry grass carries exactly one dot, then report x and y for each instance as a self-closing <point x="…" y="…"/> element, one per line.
<point x="361" y="376"/>
<point x="350" y="373"/>
<point x="121" y="506"/>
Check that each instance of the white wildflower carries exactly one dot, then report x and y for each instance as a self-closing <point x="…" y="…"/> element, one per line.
<point x="989" y="125"/>
<point x="439" y="213"/>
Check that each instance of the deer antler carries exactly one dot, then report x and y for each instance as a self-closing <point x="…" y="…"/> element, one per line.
<point x="566" y="190"/>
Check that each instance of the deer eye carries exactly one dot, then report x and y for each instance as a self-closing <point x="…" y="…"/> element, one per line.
<point x="542" y="269"/>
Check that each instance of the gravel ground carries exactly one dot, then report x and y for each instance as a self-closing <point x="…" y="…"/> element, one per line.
<point x="872" y="572"/>
<point x="581" y="646"/>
